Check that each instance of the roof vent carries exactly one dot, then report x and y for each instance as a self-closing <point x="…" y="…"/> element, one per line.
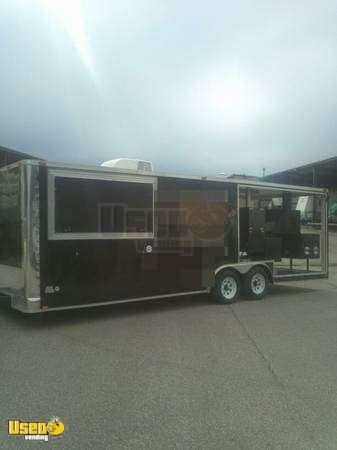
<point x="129" y="164"/>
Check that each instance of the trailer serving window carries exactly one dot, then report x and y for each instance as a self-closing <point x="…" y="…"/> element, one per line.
<point x="102" y="207"/>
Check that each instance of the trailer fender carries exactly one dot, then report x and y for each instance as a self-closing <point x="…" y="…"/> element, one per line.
<point x="243" y="268"/>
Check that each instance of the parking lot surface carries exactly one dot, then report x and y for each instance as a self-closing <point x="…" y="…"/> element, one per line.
<point x="178" y="374"/>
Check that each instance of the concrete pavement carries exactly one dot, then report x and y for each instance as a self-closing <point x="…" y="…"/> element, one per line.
<point x="179" y="374"/>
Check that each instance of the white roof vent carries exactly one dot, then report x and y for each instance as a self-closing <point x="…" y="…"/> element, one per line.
<point x="130" y="164"/>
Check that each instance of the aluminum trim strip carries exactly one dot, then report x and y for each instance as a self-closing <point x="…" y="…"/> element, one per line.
<point x="129" y="300"/>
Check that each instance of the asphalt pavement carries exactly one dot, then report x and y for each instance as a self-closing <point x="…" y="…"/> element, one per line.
<point x="182" y="373"/>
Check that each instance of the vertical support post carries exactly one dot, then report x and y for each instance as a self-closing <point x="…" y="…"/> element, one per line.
<point x="249" y="198"/>
<point x="324" y="241"/>
<point x="238" y="220"/>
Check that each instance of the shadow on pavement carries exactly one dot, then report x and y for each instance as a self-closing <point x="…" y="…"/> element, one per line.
<point x="286" y="289"/>
<point x="110" y="312"/>
<point x="102" y="313"/>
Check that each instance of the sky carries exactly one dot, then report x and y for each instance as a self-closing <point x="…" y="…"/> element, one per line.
<point x="193" y="86"/>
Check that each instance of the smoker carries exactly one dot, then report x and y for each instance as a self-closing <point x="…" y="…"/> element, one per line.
<point x="76" y="236"/>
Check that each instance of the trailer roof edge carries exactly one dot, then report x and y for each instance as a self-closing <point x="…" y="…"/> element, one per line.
<point x="218" y="179"/>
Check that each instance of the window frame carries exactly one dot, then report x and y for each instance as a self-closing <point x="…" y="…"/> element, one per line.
<point x="86" y="175"/>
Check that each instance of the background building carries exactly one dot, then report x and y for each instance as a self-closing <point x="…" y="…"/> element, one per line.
<point x="319" y="174"/>
<point x="9" y="156"/>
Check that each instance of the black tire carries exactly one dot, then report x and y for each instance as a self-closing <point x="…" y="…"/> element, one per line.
<point x="256" y="283"/>
<point x="227" y="286"/>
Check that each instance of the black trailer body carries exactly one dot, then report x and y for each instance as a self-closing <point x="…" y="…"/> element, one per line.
<point x="75" y="236"/>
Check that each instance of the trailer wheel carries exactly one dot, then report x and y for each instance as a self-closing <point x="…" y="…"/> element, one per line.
<point x="256" y="283"/>
<point x="227" y="286"/>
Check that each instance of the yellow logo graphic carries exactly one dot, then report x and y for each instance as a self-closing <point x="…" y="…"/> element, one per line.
<point x="36" y="431"/>
<point x="55" y="427"/>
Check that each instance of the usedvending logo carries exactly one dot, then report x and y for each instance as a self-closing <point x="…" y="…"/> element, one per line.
<point x="37" y="431"/>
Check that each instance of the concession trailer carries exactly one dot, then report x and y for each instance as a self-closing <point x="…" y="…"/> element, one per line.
<point x="81" y="236"/>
